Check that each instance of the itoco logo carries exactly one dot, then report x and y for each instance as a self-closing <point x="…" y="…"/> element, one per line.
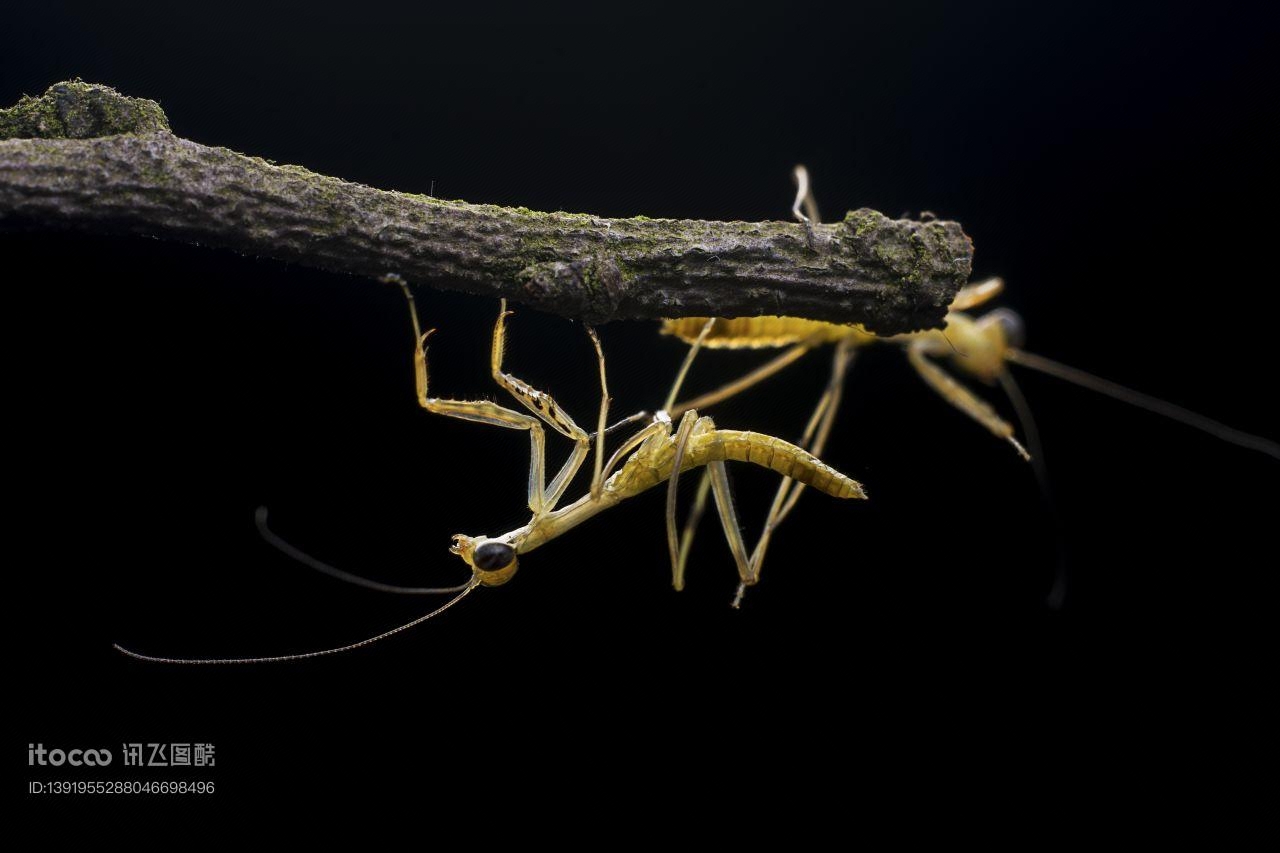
<point x="37" y="754"/>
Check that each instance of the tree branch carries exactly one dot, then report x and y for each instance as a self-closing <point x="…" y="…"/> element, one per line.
<point x="84" y="157"/>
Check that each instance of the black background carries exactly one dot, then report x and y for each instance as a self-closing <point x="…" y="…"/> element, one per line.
<point x="1106" y="164"/>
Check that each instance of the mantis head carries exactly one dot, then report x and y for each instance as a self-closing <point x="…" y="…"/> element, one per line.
<point x="981" y="346"/>
<point x="493" y="560"/>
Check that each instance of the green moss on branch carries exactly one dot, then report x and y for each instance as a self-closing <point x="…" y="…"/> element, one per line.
<point x="79" y="110"/>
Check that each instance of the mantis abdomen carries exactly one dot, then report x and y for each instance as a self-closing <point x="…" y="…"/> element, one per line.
<point x="643" y="470"/>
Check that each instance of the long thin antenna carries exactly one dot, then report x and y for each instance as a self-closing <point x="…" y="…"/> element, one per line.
<point x="475" y="581"/>
<point x="1144" y="401"/>
<point x="260" y="518"/>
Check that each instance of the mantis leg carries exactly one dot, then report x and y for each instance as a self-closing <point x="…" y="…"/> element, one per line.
<point x="690" y="527"/>
<point x="719" y="478"/>
<point x="732" y="532"/>
<point x="545" y="408"/>
<point x="597" y="476"/>
<point x="716" y="479"/>
<point x="814" y="439"/>
<point x="820" y="423"/>
<point x="742" y="383"/>
<point x="684" y="368"/>
<point x="961" y="397"/>
<point x="481" y="411"/>
<point x="972" y="295"/>
<point x="683" y="434"/>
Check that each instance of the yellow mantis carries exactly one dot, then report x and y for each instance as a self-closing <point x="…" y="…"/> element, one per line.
<point x="653" y="455"/>
<point x="977" y="347"/>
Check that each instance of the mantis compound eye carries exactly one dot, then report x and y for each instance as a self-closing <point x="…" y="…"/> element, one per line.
<point x="495" y="562"/>
<point x="492" y="556"/>
<point x="1010" y="322"/>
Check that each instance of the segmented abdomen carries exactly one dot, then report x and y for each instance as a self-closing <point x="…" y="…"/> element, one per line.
<point x="644" y="471"/>
<point x="758" y="332"/>
<point x="773" y="453"/>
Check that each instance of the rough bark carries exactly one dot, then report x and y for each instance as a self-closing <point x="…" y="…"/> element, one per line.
<point x="84" y="157"/>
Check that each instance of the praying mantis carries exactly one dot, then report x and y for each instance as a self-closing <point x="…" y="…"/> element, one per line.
<point x="977" y="347"/>
<point x="653" y="455"/>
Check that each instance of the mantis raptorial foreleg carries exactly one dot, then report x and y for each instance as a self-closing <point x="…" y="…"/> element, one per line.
<point x="545" y="408"/>
<point x="481" y="411"/>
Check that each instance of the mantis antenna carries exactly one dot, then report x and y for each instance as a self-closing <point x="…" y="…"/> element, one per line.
<point x="1174" y="412"/>
<point x="260" y="519"/>
<point x="475" y="581"/>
